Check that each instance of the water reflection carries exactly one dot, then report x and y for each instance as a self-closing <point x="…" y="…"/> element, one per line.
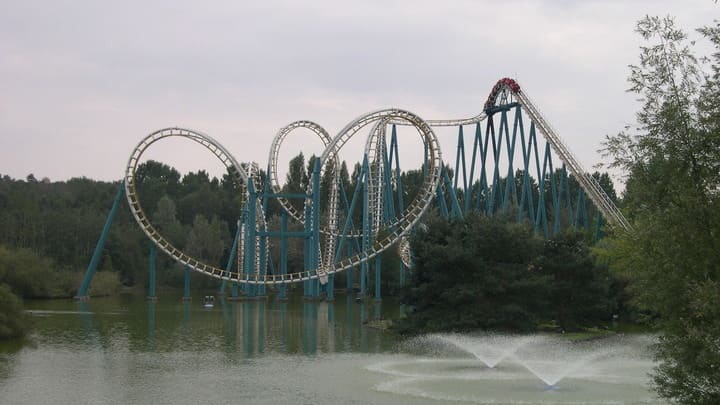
<point x="151" y="324"/>
<point x="128" y="350"/>
<point x="242" y="328"/>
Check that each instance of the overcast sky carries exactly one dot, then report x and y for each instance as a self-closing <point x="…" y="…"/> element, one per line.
<point x="81" y="82"/>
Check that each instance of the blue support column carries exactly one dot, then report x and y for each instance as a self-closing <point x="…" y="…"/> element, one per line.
<point x="264" y="240"/>
<point x="484" y="190"/>
<point x="223" y="283"/>
<point x="581" y="210"/>
<point x="442" y="204"/>
<point x="97" y="254"/>
<point x="388" y="198"/>
<point x="455" y="210"/>
<point x="151" y="279"/>
<point x="307" y="250"/>
<point x="477" y="143"/>
<point x="510" y="198"/>
<point x="250" y="237"/>
<point x="367" y="230"/>
<point x="496" y="189"/>
<point x="526" y="193"/>
<point x="460" y="157"/>
<point x="555" y="198"/>
<point x="394" y="156"/>
<point x="565" y="188"/>
<point x="349" y="273"/>
<point x="398" y="175"/>
<point x="282" y="294"/>
<point x="316" y="225"/>
<point x="541" y="219"/>
<point x="231" y="260"/>
<point x="598" y="226"/>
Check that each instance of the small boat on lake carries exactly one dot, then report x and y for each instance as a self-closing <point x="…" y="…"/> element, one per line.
<point x="209" y="301"/>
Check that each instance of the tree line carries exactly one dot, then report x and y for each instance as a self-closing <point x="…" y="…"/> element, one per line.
<point x="50" y="228"/>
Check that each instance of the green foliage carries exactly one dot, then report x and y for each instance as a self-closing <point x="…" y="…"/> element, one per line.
<point x="494" y="273"/>
<point x="672" y="259"/>
<point x="296" y="181"/>
<point x="28" y="274"/>
<point x="14" y="323"/>
<point x="206" y="240"/>
<point x="165" y="221"/>
<point x="61" y="222"/>
<point x="580" y="292"/>
<point x="474" y="274"/>
<point x="104" y="283"/>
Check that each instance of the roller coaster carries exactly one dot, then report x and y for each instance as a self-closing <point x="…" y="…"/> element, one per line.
<point x="333" y="243"/>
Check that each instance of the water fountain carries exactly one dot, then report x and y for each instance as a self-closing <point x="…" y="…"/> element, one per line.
<point x="551" y="360"/>
<point x="491" y="349"/>
<point x="545" y="369"/>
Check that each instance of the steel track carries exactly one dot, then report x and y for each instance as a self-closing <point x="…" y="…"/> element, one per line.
<point x="504" y="90"/>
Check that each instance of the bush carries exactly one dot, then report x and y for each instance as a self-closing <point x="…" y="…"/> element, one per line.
<point x="30" y="275"/>
<point x="104" y="283"/>
<point x="14" y="322"/>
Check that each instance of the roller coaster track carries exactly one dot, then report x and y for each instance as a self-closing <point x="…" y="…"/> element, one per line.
<point x="506" y="88"/>
<point x="397" y="228"/>
<point x="238" y="173"/>
<point x="275" y="154"/>
<point x="374" y="150"/>
<point x="587" y="182"/>
<point x="402" y="225"/>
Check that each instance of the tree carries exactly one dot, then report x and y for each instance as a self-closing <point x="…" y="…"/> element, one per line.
<point x="206" y="240"/>
<point x="672" y="258"/>
<point x="580" y="291"/>
<point x="475" y="274"/>
<point x="296" y="180"/>
<point x="165" y="220"/>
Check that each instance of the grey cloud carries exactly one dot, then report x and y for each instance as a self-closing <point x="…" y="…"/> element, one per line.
<point x="98" y="76"/>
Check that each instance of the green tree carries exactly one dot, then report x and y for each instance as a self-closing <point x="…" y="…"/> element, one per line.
<point x="296" y="180"/>
<point x="672" y="258"/>
<point x="165" y="220"/>
<point x="580" y="292"/>
<point x="207" y="239"/>
<point x="475" y="274"/>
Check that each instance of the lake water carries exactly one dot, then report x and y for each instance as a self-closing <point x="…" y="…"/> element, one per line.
<point x="126" y="350"/>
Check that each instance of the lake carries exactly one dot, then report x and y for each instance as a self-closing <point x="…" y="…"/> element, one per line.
<point x="126" y="350"/>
